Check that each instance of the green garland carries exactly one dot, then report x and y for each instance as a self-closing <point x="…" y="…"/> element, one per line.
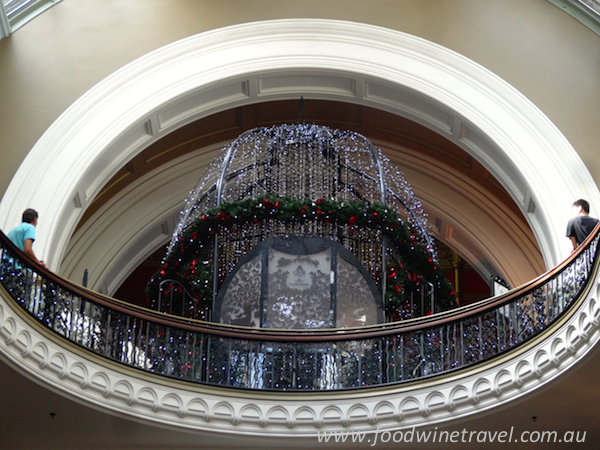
<point x="186" y="261"/>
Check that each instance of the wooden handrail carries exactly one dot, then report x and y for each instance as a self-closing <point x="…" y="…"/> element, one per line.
<point x="322" y="335"/>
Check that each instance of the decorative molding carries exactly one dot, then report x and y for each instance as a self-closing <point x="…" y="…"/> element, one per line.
<point x="284" y="59"/>
<point x="481" y="229"/>
<point x="148" y="209"/>
<point x="61" y="366"/>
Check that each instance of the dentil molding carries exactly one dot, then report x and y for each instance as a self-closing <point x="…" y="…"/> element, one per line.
<point x="61" y="366"/>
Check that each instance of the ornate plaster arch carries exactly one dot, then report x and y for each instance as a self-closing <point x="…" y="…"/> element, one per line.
<point x="280" y="59"/>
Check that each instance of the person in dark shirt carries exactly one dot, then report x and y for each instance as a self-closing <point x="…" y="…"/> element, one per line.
<point x="580" y="226"/>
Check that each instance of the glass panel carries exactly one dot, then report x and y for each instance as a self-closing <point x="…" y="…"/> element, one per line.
<point x="591" y="5"/>
<point x="241" y="301"/>
<point x="19" y="12"/>
<point x="356" y="304"/>
<point x="14" y="6"/>
<point x="299" y="290"/>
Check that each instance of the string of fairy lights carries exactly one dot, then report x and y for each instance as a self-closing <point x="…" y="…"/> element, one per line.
<point x="296" y="165"/>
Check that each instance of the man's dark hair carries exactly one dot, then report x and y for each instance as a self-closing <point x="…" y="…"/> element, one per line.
<point x="585" y="206"/>
<point x="29" y="215"/>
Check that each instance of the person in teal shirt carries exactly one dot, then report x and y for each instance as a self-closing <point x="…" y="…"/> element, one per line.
<point x="23" y="235"/>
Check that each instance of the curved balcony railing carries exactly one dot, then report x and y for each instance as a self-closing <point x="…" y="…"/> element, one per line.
<point x="215" y="354"/>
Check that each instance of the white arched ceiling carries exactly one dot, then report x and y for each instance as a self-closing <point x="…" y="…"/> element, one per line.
<point x="467" y="218"/>
<point x="148" y="209"/>
<point x="285" y="59"/>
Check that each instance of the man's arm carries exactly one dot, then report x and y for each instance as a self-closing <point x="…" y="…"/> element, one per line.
<point x="28" y="250"/>
<point x="573" y="241"/>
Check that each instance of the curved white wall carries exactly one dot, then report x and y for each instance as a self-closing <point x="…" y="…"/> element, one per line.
<point x="148" y="210"/>
<point x="280" y="59"/>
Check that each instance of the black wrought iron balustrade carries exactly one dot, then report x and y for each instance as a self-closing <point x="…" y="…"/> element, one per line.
<point x="174" y="299"/>
<point x="215" y="354"/>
